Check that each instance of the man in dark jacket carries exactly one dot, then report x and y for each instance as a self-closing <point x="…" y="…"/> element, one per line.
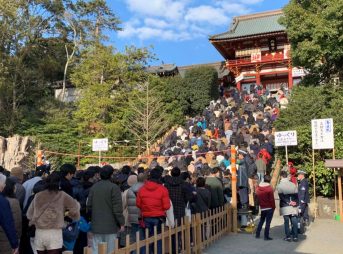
<point x="6" y="218"/>
<point x="216" y="188"/>
<point x="243" y="179"/>
<point x="178" y="193"/>
<point x="67" y="172"/>
<point x="105" y="203"/>
<point x="265" y="196"/>
<point x="303" y="194"/>
<point x="203" y="200"/>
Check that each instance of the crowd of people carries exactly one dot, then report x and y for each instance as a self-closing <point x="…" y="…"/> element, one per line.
<point x="190" y="173"/>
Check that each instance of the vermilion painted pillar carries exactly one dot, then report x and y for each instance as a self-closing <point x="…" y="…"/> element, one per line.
<point x="290" y="76"/>
<point x="238" y="85"/>
<point x="258" y="78"/>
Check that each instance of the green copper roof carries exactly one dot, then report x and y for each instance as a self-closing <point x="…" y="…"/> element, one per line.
<point x="251" y="25"/>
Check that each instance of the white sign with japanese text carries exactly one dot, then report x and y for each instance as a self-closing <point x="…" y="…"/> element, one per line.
<point x="256" y="57"/>
<point x="100" y="144"/>
<point x="322" y="134"/>
<point x="286" y="138"/>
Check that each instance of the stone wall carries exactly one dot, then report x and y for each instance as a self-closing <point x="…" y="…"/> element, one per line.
<point x="15" y="151"/>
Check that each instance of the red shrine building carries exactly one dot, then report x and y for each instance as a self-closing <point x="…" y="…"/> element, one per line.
<point x="257" y="51"/>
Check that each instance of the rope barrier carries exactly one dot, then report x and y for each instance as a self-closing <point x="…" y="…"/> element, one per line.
<point x="130" y="157"/>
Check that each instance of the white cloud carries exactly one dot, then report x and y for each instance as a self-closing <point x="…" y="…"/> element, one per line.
<point x="159" y="23"/>
<point x="207" y="14"/>
<point x="251" y="1"/>
<point x="146" y="32"/>
<point x="178" y="20"/>
<point x="233" y="8"/>
<point x="169" y="9"/>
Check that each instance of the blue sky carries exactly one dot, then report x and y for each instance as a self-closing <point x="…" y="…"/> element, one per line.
<point x="178" y="30"/>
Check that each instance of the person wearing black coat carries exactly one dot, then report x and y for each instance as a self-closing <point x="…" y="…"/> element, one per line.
<point x="203" y="201"/>
<point x="178" y="192"/>
<point x="67" y="172"/>
<point x="303" y="195"/>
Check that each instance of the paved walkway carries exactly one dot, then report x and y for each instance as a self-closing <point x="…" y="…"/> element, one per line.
<point x="322" y="237"/>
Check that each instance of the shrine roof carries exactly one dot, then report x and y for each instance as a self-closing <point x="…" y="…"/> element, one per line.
<point x="162" y="68"/>
<point x="253" y="24"/>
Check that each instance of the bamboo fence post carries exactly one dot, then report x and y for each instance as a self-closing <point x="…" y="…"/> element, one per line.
<point x="234" y="220"/>
<point x="183" y="233"/>
<point x="147" y="240"/>
<point x="170" y="239"/>
<point x="198" y="232"/>
<point x="187" y="237"/>
<point x="163" y="239"/>
<point x="102" y="248"/>
<point x="127" y="244"/>
<point x="138" y="240"/>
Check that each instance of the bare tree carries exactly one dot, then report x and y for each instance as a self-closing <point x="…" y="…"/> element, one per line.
<point x="76" y="43"/>
<point x="149" y="119"/>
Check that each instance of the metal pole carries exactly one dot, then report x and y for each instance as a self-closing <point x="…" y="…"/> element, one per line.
<point x="286" y="156"/>
<point x="314" y="185"/>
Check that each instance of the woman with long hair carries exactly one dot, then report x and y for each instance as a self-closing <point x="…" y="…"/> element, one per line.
<point x="47" y="212"/>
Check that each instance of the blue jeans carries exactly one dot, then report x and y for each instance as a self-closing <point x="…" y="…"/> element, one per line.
<point x="294" y="226"/>
<point x="266" y="216"/>
<point x="134" y="229"/>
<point x="260" y="177"/>
<point x="150" y="223"/>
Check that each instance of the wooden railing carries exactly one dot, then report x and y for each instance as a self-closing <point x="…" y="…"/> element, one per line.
<point x="191" y="236"/>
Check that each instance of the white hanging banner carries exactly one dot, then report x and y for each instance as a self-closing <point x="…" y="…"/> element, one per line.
<point x="322" y="134"/>
<point x="286" y="138"/>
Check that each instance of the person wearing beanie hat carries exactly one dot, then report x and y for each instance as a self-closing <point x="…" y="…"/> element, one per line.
<point x="132" y="180"/>
<point x="17" y="175"/>
<point x="129" y="204"/>
<point x="153" y="201"/>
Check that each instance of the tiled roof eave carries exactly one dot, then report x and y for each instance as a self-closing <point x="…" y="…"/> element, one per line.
<point x="247" y="36"/>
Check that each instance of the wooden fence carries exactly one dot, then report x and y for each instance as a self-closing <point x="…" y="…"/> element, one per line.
<point x="191" y="236"/>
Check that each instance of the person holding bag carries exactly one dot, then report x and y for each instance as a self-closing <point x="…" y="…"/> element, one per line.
<point x="47" y="212"/>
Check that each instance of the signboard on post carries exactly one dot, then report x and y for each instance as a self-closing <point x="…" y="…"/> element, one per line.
<point x="322" y="134"/>
<point x="100" y="145"/>
<point x="286" y="138"/>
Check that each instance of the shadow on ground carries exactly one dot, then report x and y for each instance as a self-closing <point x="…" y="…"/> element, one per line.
<point x="322" y="236"/>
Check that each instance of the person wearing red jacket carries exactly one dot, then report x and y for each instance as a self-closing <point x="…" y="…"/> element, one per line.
<point x="265" y="196"/>
<point x="153" y="201"/>
<point x="293" y="173"/>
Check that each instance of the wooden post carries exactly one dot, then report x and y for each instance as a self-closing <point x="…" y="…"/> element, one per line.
<point x="102" y="248"/>
<point x="234" y="187"/>
<point x="314" y="185"/>
<point x="187" y="237"/>
<point x="199" y="235"/>
<point x="234" y="177"/>
<point x="78" y="155"/>
<point x="340" y="199"/>
<point x="276" y="173"/>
